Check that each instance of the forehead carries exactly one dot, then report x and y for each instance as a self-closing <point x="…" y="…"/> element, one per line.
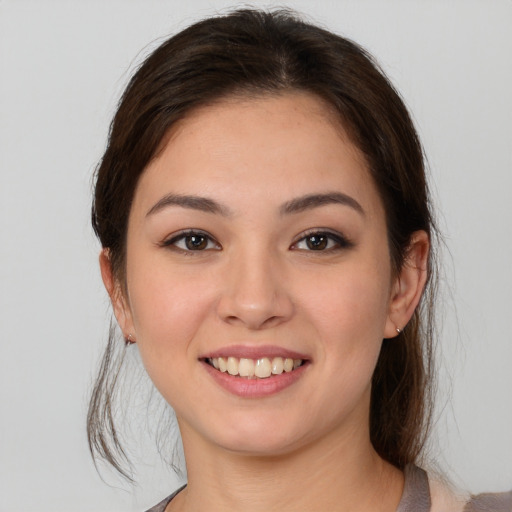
<point x="242" y="114"/>
<point x="259" y="148"/>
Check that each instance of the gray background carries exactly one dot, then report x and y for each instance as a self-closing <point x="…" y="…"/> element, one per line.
<point x="63" y="65"/>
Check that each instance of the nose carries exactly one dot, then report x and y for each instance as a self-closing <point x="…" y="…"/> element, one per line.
<point x="254" y="292"/>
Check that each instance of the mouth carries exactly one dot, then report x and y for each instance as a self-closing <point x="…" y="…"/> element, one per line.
<point x="261" y="368"/>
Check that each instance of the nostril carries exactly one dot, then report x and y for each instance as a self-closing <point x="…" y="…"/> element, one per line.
<point x="255" y="303"/>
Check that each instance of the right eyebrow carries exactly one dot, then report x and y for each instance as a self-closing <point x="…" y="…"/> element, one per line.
<point x="203" y="204"/>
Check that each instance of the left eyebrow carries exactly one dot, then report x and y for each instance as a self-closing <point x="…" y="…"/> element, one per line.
<point x="311" y="201"/>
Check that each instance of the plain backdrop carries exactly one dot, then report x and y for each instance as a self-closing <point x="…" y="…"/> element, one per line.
<point x="63" y="65"/>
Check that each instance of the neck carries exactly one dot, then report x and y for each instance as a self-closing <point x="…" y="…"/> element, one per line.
<point x="336" y="473"/>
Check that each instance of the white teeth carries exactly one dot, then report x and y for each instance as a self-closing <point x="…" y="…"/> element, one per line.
<point x="261" y="368"/>
<point x="288" y="365"/>
<point x="246" y="368"/>
<point x="277" y="365"/>
<point x="232" y="366"/>
<point x="223" y="367"/>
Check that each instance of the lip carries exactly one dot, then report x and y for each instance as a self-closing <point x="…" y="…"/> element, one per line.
<point x="255" y="388"/>
<point x="255" y="352"/>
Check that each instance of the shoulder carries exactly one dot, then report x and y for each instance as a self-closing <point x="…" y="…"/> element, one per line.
<point x="160" y="507"/>
<point x="446" y="499"/>
<point x="499" y="502"/>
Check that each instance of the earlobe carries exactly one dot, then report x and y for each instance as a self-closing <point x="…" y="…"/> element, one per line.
<point x="119" y="305"/>
<point x="409" y="284"/>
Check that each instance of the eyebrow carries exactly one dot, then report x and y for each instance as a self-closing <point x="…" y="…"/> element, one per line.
<point x="202" y="204"/>
<point x="310" y="201"/>
<point x="297" y="205"/>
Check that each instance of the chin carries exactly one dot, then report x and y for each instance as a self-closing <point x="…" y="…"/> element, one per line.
<point x="257" y="437"/>
<point x="263" y="446"/>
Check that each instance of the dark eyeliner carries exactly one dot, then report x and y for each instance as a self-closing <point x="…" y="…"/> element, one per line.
<point x="170" y="241"/>
<point x="342" y="241"/>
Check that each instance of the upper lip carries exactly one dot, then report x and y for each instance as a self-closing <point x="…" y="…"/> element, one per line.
<point x="254" y="352"/>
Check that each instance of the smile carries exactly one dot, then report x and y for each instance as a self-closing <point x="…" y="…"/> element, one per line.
<point x="261" y="368"/>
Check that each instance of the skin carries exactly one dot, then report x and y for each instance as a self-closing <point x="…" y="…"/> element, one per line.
<point x="258" y="282"/>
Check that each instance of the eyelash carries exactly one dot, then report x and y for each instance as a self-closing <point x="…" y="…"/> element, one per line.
<point x="334" y="241"/>
<point x="183" y="235"/>
<point x="337" y="241"/>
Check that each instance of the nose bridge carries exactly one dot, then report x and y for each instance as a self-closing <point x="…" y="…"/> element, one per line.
<point x="255" y="293"/>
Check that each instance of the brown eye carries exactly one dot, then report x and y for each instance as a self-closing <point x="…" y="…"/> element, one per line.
<point x="196" y="242"/>
<point x="192" y="241"/>
<point x="317" y="242"/>
<point x="322" y="241"/>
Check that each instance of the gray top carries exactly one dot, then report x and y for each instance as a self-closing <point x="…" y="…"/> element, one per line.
<point x="416" y="493"/>
<point x="416" y="496"/>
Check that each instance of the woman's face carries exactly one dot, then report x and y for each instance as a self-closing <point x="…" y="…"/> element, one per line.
<point x="256" y="238"/>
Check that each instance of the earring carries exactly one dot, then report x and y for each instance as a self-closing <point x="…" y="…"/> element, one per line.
<point x="129" y="340"/>
<point x="398" y="330"/>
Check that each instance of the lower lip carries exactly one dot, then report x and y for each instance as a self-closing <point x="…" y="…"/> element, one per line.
<point x="255" y="388"/>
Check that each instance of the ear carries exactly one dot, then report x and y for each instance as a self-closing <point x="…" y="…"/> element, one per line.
<point x="408" y="285"/>
<point x="120" y="305"/>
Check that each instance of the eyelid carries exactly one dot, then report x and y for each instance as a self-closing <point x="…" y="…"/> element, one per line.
<point x="171" y="240"/>
<point x="342" y="241"/>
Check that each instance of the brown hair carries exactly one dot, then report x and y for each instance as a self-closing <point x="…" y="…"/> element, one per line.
<point x="252" y="52"/>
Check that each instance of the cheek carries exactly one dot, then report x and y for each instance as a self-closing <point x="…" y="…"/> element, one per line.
<point x="167" y="315"/>
<point x="167" y="310"/>
<point x="355" y="299"/>
<point x="349" y="313"/>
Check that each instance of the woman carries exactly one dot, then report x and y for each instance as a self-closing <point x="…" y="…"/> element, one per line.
<point x="267" y="243"/>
